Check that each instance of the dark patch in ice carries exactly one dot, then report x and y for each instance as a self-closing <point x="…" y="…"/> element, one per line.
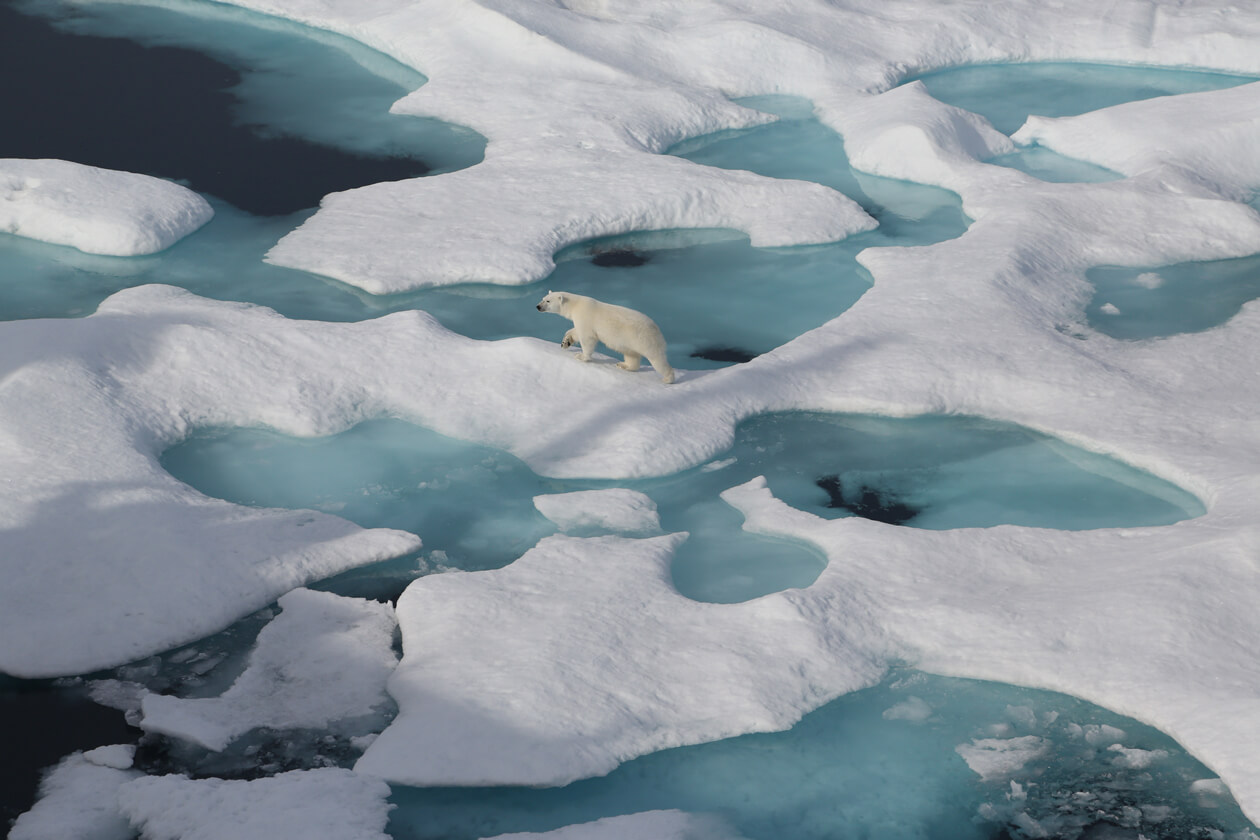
<point x="41" y="722"/>
<point x="868" y="502"/>
<point x="259" y="754"/>
<point x="161" y="111"/>
<point x="724" y="354"/>
<point x="619" y="258"/>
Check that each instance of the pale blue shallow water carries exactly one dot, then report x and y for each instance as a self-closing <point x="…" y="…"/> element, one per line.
<point x="1135" y="303"/>
<point x="1007" y="94"/>
<point x="848" y="770"/>
<point x="929" y="472"/>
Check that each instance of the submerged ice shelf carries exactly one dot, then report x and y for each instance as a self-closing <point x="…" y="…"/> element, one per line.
<point x="991" y="322"/>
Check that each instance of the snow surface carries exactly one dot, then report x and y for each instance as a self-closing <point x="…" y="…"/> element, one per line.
<point x="325" y="659"/>
<point x="585" y="655"/>
<point x="615" y="509"/>
<point x="658" y="825"/>
<point x="606" y="660"/>
<point x="98" y="211"/>
<point x="329" y="802"/>
<point x="79" y="798"/>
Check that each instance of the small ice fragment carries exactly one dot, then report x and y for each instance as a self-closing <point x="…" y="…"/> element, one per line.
<point x="1097" y="735"/>
<point x="1135" y="759"/>
<point x="912" y="708"/>
<point x="615" y="509"/>
<point x="117" y="756"/>
<point x="1109" y="309"/>
<point x="1149" y="280"/>
<point x="996" y="758"/>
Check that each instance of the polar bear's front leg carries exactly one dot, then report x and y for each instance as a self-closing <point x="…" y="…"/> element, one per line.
<point x="588" y="344"/>
<point x="569" y="338"/>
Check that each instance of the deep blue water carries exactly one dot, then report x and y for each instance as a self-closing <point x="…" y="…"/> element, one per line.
<point x="76" y="90"/>
<point x="266" y="118"/>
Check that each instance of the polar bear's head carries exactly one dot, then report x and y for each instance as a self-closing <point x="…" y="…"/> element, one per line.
<point x="553" y="302"/>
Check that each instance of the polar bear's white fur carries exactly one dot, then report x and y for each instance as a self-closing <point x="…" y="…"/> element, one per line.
<point x="619" y="328"/>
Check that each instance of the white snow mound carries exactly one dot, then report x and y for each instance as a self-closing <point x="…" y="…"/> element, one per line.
<point x="98" y="211"/>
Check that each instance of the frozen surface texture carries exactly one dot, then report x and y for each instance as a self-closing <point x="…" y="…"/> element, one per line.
<point x="79" y="798"/>
<point x="323" y="661"/>
<point x="620" y="510"/>
<point x="592" y="657"/>
<point x="598" y="658"/>
<point x="302" y="803"/>
<point x="659" y="825"/>
<point x="98" y="211"/>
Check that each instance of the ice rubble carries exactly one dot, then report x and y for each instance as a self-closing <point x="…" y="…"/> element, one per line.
<point x="1157" y="623"/>
<point x="98" y="211"/>
<point x="324" y="660"/>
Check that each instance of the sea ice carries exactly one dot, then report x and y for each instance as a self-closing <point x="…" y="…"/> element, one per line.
<point x="996" y="758"/>
<point x="587" y="656"/>
<point x="615" y="509"/>
<point x="98" y="211"/>
<point x="323" y="661"/>
<point x="79" y="798"/>
<point x="592" y="656"/>
<point x="302" y="803"/>
<point x="659" y="825"/>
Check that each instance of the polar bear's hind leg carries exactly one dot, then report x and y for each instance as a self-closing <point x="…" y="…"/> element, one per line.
<point x="632" y="362"/>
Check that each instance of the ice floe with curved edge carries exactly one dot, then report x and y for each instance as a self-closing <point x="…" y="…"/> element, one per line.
<point x="98" y="211"/>
<point x="323" y="662"/>
<point x="593" y="658"/>
<point x="79" y="798"/>
<point x="1213" y="142"/>
<point x="327" y="802"/>
<point x="614" y="509"/>
<point x="422" y="236"/>
<point x="659" y="825"/>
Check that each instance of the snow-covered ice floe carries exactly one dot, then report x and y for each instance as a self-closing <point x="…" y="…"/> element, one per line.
<point x="615" y="509"/>
<point x="98" y="211"/>
<point x="95" y="795"/>
<point x="592" y="657"/>
<point x="324" y="660"/>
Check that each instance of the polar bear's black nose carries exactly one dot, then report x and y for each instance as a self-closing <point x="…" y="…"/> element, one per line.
<point x="539" y="307"/>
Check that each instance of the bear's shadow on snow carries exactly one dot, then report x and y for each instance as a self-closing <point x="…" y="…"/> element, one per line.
<point x="867" y="502"/>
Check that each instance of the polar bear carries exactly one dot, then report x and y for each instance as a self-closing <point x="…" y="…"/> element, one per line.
<point x="619" y="328"/>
